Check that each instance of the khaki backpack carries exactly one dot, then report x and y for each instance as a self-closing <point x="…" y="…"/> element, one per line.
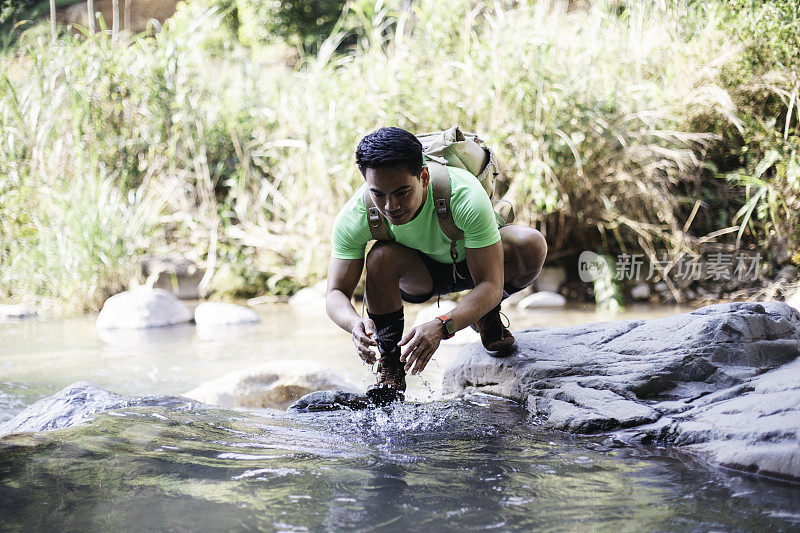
<point x="442" y="149"/>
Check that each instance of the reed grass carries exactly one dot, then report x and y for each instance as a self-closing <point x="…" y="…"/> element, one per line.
<point x="239" y="157"/>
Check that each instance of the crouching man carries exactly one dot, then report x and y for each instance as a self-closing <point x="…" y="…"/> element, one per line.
<point x="415" y="263"/>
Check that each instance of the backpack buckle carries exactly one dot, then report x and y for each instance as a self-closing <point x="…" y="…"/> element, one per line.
<point x="374" y="217"/>
<point x="441" y="206"/>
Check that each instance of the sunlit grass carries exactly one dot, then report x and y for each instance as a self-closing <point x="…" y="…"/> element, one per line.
<point x="189" y="142"/>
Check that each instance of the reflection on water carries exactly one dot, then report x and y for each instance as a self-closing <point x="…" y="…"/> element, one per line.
<point x="477" y="463"/>
<point x="467" y="464"/>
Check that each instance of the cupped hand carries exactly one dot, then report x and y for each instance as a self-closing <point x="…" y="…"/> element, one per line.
<point x="363" y="337"/>
<point x="421" y="343"/>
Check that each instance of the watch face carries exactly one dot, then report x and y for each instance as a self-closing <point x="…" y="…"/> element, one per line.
<point x="450" y="326"/>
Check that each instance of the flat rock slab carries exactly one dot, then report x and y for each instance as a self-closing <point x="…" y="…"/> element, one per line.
<point x="722" y="381"/>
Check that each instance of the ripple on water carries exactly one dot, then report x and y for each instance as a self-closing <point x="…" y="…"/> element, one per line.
<point x="473" y="463"/>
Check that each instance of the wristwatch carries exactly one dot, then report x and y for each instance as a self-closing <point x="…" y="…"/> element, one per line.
<point x="448" y="326"/>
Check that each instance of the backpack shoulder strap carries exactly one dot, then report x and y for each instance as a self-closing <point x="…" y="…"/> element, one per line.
<point x="376" y="222"/>
<point x="440" y="179"/>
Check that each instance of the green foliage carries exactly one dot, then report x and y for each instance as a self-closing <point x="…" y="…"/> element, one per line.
<point x="305" y="23"/>
<point x="15" y="12"/>
<point x="608" y="122"/>
<point x="764" y="82"/>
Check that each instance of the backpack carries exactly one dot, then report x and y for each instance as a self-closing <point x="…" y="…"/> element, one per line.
<point x="442" y="149"/>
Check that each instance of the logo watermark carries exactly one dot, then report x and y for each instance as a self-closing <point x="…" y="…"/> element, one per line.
<point x="716" y="266"/>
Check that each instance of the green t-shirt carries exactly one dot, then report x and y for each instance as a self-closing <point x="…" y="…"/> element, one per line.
<point x="472" y="213"/>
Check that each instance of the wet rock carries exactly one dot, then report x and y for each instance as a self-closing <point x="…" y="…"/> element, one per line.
<point x="640" y="291"/>
<point x="220" y="314"/>
<point x="275" y="384"/>
<point x="426" y="314"/>
<point x="542" y="299"/>
<point x="142" y="308"/>
<point x="78" y="403"/>
<point x="330" y="400"/>
<point x="16" y="312"/>
<point x="721" y="381"/>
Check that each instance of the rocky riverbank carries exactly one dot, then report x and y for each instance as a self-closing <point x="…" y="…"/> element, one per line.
<point x="721" y="381"/>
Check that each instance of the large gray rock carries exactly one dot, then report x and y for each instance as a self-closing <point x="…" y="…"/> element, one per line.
<point x="722" y="381"/>
<point x="78" y="403"/>
<point x="142" y="308"/>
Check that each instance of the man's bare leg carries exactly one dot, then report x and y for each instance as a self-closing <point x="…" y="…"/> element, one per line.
<point x="524" y="252"/>
<point x="391" y="266"/>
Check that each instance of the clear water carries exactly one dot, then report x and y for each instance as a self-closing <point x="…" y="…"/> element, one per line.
<point x="440" y="464"/>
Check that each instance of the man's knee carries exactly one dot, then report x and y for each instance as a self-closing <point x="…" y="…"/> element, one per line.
<point x="383" y="257"/>
<point x="527" y="246"/>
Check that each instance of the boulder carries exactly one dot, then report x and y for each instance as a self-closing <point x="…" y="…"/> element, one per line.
<point x="16" y="312"/>
<point x="142" y="308"/>
<point x="275" y="384"/>
<point x="78" y="403"/>
<point x="720" y="381"/>
<point x="542" y="299"/>
<point x="220" y="314"/>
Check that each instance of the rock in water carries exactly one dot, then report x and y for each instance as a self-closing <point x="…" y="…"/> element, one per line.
<point x="78" y="403"/>
<point x="723" y="381"/>
<point x="275" y="384"/>
<point x="221" y="314"/>
<point x="330" y="400"/>
<point x="142" y="308"/>
<point x="16" y="312"/>
<point x="542" y="299"/>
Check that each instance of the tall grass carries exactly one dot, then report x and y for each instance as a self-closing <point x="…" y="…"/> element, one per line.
<point x="238" y="158"/>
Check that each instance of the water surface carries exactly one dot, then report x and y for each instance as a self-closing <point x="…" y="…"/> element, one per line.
<point x="478" y="463"/>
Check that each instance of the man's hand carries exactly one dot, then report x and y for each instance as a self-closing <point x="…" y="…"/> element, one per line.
<point x="422" y="342"/>
<point x="363" y="333"/>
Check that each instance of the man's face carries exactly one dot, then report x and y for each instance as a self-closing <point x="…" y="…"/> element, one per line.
<point x="397" y="193"/>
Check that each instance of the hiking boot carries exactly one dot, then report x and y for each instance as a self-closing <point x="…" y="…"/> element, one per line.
<point x="391" y="385"/>
<point x="494" y="335"/>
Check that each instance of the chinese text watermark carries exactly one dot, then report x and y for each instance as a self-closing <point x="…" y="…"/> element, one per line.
<point x="716" y="266"/>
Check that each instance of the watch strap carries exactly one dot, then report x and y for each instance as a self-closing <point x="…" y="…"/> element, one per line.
<point x="448" y="326"/>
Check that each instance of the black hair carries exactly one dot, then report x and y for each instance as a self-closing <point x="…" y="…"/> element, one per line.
<point x="390" y="147"/>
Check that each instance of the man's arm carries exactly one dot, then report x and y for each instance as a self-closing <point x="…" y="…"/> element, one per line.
<point x="343" y="276"/>
<point x="486" y="266"/>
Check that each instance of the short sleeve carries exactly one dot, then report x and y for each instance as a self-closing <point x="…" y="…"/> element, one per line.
<point x="473" y="213"/>
<point x="350" y="231"/>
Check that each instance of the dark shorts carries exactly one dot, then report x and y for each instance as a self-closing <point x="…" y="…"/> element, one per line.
<point x="444" y="280"/>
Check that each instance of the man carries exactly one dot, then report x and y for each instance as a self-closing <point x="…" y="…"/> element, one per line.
<point x="416" y="265"/>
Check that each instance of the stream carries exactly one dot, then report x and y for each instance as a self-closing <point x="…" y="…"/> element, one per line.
<point x="436" y="463"/>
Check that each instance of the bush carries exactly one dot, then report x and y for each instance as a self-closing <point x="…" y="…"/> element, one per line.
<point x="609" y="123"/>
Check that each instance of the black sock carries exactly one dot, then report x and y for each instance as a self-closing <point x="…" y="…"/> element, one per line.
<point x="388" y="329"/>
